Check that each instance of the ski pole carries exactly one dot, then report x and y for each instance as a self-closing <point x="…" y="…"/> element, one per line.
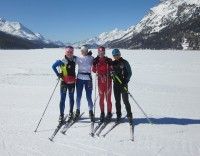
<point x="95" y="100"/>
<point x="139" y="107"/>
<point x="47" y="106"/>
<point x="95" y="92"/>
<point x="126" y="89"/>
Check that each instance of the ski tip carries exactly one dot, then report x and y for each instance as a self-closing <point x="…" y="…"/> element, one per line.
<point x="97" y="135"/>
<point x="51" y="139"/>
<point x="132" y="140"/>
<point x="62" y="132"/>
<point x="104" y="136"/>
<point x="91" y="134"/>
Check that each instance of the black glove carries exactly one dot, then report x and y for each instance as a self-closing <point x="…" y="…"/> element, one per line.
<point x="109" y="61"/>
<point x="126" y="81"/>
<point x="89" y="53"/>
<point x="60" y="76"/>
<point x="112" y="73"/>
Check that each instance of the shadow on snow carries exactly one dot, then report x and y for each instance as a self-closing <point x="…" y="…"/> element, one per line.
<point x="138" y="121"/>
<point x="167" y="121"/>
<point x="156" y="121"/>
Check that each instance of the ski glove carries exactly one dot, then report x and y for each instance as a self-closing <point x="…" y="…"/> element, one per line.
<point x="126" y="81"/>
<point x="59" y="76"/>
<point x="89" y="53"/>
<point x="112" y="74"/>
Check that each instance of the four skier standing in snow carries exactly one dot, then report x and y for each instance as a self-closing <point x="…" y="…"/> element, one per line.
<point x="106" y="70"/>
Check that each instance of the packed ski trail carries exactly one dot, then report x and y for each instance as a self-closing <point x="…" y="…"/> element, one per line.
<point x="165" y="83"/>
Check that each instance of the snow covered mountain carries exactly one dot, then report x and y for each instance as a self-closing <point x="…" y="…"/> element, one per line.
<point x="160" y="22"/>
<point x="154" y="31"/>
<point x="104" y="38"/>
<point x="167" y="12"/>
<point x="19" y="30"/>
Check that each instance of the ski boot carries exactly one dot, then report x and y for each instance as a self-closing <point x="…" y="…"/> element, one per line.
<point x="118" y="118"/>
<point x="108" y="116"/>
<point x="102" y="117"/>
<point x="61" y="119"/>
<point x="91" y="115"/>
<point x="71" y="116"/>
<point x="77" y="114"/>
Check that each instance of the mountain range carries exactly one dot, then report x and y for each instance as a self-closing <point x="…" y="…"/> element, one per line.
<point x="171" y="24"/>
<point x="14" y="35"/>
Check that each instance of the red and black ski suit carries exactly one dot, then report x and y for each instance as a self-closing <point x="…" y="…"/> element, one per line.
<point x="102" y="67"/>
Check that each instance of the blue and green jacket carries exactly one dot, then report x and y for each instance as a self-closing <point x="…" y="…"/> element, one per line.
<point x="67" y="67"/>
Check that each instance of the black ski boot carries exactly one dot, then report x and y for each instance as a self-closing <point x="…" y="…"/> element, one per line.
<point x="91" y="115"/>
<point x="61" y="118"/>
<point x="71" y="116"/>
<point x="118" y="118"/>
<point x="108" y="116"/>
<point x="77" y="114"/>
<point x="102" y="117"/>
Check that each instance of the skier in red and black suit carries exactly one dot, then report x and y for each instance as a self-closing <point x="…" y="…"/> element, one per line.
<point x="102" y="66"/>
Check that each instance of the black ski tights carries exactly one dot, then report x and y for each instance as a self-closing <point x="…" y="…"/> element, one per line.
<point x="118" y="92"/>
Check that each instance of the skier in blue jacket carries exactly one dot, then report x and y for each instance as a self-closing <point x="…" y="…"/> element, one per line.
<point x="67" y="75"/>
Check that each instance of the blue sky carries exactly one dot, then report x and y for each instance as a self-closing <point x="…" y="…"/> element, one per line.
<point x="75" y="20"/>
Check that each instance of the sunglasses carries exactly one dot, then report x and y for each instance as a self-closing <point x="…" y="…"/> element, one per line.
<point x="116" y="55"/>
<point x="70" y="52"/>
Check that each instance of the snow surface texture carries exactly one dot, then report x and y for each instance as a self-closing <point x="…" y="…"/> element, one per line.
<point x="165" y="83"/>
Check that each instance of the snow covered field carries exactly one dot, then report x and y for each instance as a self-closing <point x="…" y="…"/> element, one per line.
<point x="165" y="83"/>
